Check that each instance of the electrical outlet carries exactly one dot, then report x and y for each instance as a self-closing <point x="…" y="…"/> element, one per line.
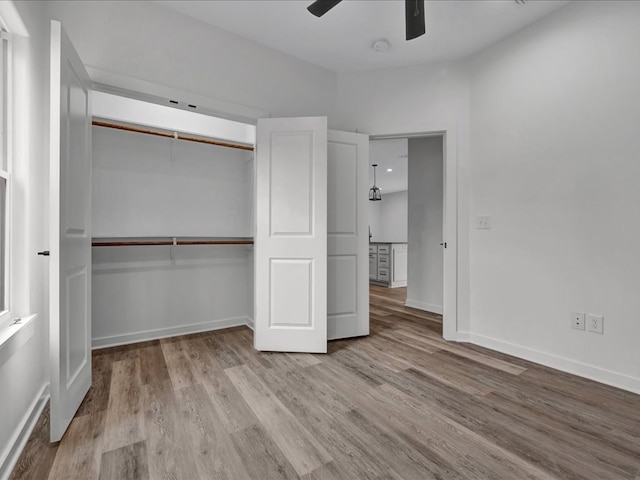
<point x="483" y="222"/>
<point x="577" y="320"/>
<point x="595" y="323"/>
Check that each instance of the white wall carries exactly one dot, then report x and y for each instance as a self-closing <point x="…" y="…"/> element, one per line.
<point x="389" y="217"/>
<point x="425" y="256"/>
<point x="146" y="41"/>
<point x="145" y="185"/>
<point x="24" y="365"/>
<point x="554" y="135"/>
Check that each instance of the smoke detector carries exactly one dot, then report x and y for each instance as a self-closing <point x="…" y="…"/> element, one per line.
<point x="381" y="45"/>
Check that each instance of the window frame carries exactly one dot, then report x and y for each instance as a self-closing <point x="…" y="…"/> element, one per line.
<point x="5" y="173"/>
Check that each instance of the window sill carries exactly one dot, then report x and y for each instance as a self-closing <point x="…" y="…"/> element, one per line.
<point x="14" y="336"/>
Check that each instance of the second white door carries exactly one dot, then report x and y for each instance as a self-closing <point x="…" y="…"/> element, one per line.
<point x="347" y="231"/>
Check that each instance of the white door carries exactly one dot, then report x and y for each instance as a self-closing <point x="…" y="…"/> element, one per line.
<point x="348" y="240"/>
<point x="70" y="232"/>
<point x="291" y="235"/>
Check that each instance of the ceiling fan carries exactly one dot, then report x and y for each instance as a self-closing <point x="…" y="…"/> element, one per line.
<point x="413" y="11"/>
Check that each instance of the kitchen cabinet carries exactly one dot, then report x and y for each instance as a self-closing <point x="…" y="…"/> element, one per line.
<point x="388" y="264"/>
<point x="373" y="262"/>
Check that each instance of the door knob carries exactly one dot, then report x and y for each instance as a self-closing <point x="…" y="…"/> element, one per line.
<point x="44" y="253"/>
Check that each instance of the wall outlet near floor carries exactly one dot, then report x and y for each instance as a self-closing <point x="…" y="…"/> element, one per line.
<point x="483" y="222"/>
<point x="595" y="323"/>
<point x="577" y="320"/>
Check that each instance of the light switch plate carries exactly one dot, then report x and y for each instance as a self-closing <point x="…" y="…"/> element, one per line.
<point x="483" y="222"/>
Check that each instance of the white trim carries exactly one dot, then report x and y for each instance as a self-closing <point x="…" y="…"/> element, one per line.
<point x="250" y="323"/>
<point x="20" y="437"/>
<point x="122" y="85"/>
<point x="608" y="377"/>
<point x="124" y="109"/>
<point x="463" y="337"/>
<point x="15" y="335"/>
<point x="427" y="307"/>
<point x="11" y="20"/>
<point x="6" y="84"/>
<point x="116" y="340"/>
<point x="6" y="315"/>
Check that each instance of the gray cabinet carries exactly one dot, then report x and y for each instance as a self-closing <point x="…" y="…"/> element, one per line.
<point x="388" y="264"/>
<point x="373" y="262"/>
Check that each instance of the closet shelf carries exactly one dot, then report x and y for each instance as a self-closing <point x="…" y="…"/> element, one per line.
<point x="153" y="241"/>
<point x="178" y="136"/>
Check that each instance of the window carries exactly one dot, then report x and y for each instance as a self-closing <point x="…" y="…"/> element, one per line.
<point x="5" y="178"/>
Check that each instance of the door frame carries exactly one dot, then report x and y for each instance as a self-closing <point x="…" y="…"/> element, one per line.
<point x="450" y="219"/>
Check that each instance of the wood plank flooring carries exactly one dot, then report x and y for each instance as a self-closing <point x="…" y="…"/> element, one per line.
<point x="399" y="404"/>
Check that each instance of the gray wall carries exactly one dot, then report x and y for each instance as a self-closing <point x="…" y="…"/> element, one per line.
<point x="425" y="270"/>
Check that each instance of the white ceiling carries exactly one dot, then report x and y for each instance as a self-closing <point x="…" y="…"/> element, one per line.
<point x="341" y="40"/>
<point x="389" y="154"/>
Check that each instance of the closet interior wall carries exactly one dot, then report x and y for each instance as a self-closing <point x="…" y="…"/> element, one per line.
<point x="154" y="187"/>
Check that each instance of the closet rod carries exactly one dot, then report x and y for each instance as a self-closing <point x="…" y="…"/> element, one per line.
<point x="134" y="243"/>
<point x="98" y="123"/>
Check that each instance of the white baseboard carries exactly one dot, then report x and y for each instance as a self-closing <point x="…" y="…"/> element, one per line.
<point x="116" y="340"/>
<point x="19" y="439"/>
<point x="250" y="323"/>
<point x="427" y="307"/>
<point x="580" y="369"/>
<point x="463" y="337"/>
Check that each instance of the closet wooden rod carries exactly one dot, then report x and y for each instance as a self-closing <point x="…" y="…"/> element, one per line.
<point x="135" y="243"/>
<point x="98" y="123"/>
<point x="215" y="242"/>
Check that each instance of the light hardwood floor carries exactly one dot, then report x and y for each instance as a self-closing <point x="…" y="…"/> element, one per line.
<point x="399" y="404"/>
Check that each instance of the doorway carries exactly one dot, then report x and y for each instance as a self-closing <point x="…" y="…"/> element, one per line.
<point x="425" y="197"/>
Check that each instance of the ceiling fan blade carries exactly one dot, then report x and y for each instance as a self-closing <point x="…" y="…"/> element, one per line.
<point x="414" y="16"/>
<point x="320" y="7"/>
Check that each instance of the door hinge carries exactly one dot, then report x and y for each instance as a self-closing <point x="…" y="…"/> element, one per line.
<point x="444" y="244"/>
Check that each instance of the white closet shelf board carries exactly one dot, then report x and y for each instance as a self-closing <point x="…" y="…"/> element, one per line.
<point x="129" y="110"/>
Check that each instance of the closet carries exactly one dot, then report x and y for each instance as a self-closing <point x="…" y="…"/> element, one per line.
<point x="166" y="246"/>
<point x="172" y="227"/>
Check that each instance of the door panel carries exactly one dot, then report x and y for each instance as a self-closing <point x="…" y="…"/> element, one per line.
<point x="70" y="232"/>
<point x="291" y="235"/>
<point x="347" y="230"/>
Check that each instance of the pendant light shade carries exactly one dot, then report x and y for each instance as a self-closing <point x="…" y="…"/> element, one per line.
<point x="374" y="192"/>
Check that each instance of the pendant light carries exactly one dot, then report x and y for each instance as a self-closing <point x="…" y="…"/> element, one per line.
<point x="374" y="192"/>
